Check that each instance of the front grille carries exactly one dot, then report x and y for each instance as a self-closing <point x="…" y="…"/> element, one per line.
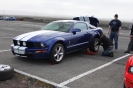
<point x="15" y="42"/>
<point x="38" y="45"/>
<point x="21" y="43"/>
<point x="28" y="44"/>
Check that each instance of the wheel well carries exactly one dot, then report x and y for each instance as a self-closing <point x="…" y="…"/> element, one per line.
<point x="61" y="42"/>
<point x="97" y="36"/>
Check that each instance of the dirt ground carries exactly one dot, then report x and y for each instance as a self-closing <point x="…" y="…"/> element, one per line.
<point x="21" y="81"/>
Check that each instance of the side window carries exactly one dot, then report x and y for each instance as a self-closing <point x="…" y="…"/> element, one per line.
<point x="92" y="27"/>
<point x="81" y="26"/>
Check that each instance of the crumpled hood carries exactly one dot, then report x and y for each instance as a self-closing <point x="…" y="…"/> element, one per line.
<point x="37" y="36"/>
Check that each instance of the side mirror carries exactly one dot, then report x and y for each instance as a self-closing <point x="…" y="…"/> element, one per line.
<point x="76" y="30"/>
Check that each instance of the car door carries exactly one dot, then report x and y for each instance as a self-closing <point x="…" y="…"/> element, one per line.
<point x="80" y="39"/>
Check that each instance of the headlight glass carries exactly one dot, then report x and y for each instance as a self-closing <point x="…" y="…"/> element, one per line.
<point x="18" y="42"/>
<point x="24" y="43"/>
<point x="131" y="69"/>
<point x="42" y="45"/>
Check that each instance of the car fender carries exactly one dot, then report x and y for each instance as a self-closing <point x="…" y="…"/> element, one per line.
<point x="52" y="42"/>
<point x="97" y="34"/>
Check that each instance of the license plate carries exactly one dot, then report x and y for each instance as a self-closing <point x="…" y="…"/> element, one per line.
<point x="19" y="51"/>
<point x="15" y="51"/>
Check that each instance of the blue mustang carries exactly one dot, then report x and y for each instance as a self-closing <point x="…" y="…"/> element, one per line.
<point x="57" y="39"/>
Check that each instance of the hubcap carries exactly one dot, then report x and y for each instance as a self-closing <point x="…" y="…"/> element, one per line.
<point x="4" y="67"/>
<point x="59" y="53"/>
<point x="95" y="44"/>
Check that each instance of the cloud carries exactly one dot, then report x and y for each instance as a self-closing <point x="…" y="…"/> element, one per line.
<point x="99" y="8"/>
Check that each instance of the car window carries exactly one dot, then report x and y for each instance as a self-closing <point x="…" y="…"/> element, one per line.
<point x="91" y="26"/>
<point x="81" y="26"/>
<point x="58" y="26"/>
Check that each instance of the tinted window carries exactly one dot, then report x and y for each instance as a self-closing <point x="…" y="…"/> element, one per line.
<point x="81" y="26"/>
<point x="58" y="26"/>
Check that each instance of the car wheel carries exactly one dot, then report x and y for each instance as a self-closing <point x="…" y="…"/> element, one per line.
<point x="124" y="86"/>
<point x="6" y="72"/>
<point x="94" y="47"/>
<point x="57" y="53"/>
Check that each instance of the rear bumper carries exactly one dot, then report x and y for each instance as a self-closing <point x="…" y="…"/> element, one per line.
<point x="29" y="52"/>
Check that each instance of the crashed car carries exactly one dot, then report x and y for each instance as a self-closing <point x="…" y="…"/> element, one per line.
<point x="57" y="39"/>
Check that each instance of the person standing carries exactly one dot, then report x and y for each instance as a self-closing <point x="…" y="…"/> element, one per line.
<point x="131" y="40"/>
<point x="114" y="30"/>
<point x="107" y="45"/>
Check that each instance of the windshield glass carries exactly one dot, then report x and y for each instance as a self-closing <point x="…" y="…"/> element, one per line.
<point x="58" y="26"/>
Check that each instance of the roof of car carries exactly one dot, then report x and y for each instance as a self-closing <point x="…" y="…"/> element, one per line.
<point x="68" y="21"/>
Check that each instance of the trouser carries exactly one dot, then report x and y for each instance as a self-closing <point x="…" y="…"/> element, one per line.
<point x="130" y="45"/>
<point x="108" y="51"/>
<point x="114" y="35"/>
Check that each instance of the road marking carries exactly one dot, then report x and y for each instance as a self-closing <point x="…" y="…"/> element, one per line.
<point x="6" y="37"/>
<point x="4" y="50"/>
<point x="91" y="71"/>
<point x="40" y="79"/>
<point x="35" y="77"/>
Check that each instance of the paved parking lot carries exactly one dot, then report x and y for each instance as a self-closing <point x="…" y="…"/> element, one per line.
<point x="77" y="70"/>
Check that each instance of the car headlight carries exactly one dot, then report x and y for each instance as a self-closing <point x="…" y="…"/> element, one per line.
<point x="18" y="42"/>
<point x="131" y="69"/>
<point x="24" y="43"/>
<point x="42" y="45"/>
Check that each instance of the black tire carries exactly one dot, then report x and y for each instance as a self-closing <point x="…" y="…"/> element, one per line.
<point x="6" y="72"/>
<point x="94" y="47"/>
<point x="124" y="86"/>
<point x="57" y="53"/>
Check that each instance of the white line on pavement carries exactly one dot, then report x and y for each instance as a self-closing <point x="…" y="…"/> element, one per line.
<point x="5" y="50"/>
<point x="35" y="77"/>
<point x="91" y="71"/>
<point x="5" y="37"/>
<point x="40" y="79"/>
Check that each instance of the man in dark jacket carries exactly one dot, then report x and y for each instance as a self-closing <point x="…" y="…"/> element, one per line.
<point x="131" y="41"/>
<point x="107" y="46"/>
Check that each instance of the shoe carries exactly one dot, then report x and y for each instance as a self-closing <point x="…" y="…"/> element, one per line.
<point x="126" y="52"/>
<point x="115" y="50"/>
<point x="111" y="54"/>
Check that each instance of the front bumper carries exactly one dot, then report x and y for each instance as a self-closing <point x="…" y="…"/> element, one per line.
<point x="29" y="52"/>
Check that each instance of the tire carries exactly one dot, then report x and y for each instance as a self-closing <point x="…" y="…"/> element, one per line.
<point x="94" y="47"/>
<point x="124" y="86"/>
<point x="57" y="53"/>
<point x="6" y="72"/>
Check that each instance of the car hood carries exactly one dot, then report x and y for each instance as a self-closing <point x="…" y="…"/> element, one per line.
<point x="38" y="36"/>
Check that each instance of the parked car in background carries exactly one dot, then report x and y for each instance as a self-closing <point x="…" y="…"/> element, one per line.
<point x="10" y="18"/>
<point x="57" y="39"/>
<point x="128" y="75"/>
<point x="3" y="17"/>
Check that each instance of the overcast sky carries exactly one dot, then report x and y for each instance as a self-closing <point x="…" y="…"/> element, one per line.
<point x="69" y="8"/>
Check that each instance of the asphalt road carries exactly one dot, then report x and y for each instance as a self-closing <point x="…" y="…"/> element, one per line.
<point x="77" y="70"/>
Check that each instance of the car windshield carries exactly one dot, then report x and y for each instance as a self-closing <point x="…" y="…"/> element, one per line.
<point x="58" y="26"/>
